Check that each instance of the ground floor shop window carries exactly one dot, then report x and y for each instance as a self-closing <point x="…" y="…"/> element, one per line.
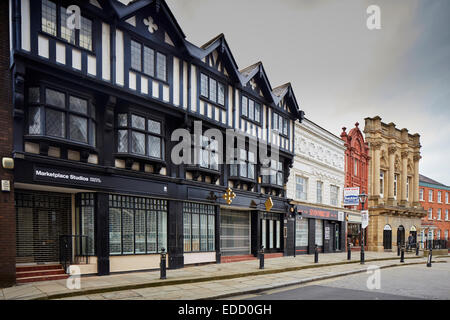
<point x="319" y="232"/>
<point x="354" y="234"/>
<point x="234" y="232"/>
<point x="271" y="231"/>
<point x="301" y="232"/>
<point x="137" y="225"/>
<point x="198" y="227"/>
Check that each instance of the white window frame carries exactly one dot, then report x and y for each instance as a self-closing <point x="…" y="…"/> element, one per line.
<point x="430" y="214"/>
<point x="430" y="195"/>
<point x="332" y="194"/>
<point x="439" y="197"/>
<point x="421" y="194"/>
<point x="446" y="197"/>
<point x="439" y="213"/>
<point x="319" y="192"/>
<point x="446" y="214"/>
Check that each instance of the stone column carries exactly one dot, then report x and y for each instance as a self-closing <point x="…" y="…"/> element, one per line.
<point x="391" y="175"/>
<point x="376" y="169"/>
<point x="415" y="191"/>
<point x="404" y="177"/>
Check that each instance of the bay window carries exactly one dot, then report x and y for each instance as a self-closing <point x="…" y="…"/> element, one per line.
<point x="61" y="115"/>
<point x="280" y="124"/>
<point x="244" y="165"/>
<point x="274" y="174"/>
<point x="209" y="157"/>
<point x="139" y="135"/>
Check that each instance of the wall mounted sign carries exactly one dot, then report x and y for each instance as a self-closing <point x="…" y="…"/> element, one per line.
<point x="327" y="233"/>
<point x="318" y="213"/>
<point x="6" y="185"/>
<point x="67" y="177"/>
<point x="351" y="196"/>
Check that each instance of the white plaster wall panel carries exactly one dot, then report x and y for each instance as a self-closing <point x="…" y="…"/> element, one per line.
<point x="230" y="106"/>
<point x="91" y="65"/>
<point x="10" y="26"/>
<point x="237" y="108"/>
<point x="119" y="58"/>
<point x="144" y="85"/>
<point x="185" y="85"/>
<point x="43" y="49"/>
<point x="193" y="88"/>
<point x="155" y="89"/>
<point x="76" y="59"/>
<point x="132" y="80"/>
<point x="25" y="25"/>
<point x="190" y="258"/>
<point x="106" y="52"/>
<point x="217" y="114"/>
<point x="166" y="93"/>
<point x="134" y="262"/>
<point x="60" y="53"/>
<point x="209" y="111"/>
<point x="176" y="81"/>
<point x="224" y="117"/>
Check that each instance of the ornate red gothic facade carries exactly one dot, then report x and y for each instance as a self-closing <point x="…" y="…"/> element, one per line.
<point x="356" y="159"/>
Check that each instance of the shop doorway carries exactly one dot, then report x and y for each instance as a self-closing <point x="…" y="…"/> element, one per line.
<point x="401" y="235"/>
<point x="41" y="218"/>
<point x="337" y="237"/>
<point x="387" y="237"/>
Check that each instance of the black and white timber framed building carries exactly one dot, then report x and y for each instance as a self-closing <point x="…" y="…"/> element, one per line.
<point x="94" y="110"/>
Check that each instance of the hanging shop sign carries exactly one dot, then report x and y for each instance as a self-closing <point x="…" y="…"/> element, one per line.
<point x="317" y="213"/>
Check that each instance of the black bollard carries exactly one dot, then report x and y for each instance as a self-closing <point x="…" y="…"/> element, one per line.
<point x="261" y="258"/>
<point x="417" y="249"/>
<point x="398" y="248"/>
<point x="349" y="252"/>
<point x="430" y="256"/>
<point x="163" y="264"/>
<point x="362" y="254"/>
<point x="402" y="257"/>
<point x="316" y="254"/>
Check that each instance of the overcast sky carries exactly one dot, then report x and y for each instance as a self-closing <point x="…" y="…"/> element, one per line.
<point x="342" y="72"/>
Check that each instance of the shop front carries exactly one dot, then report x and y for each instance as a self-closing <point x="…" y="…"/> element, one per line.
<point x="321" y="227"/>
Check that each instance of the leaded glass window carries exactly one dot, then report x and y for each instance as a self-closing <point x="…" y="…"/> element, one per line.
<point x="62" y="115"/>
<point x="142" y="137"/>
<point x="198" y="227"/>
<point x="251" y="109"/>
<point x="137" y="225"/>
<point x="66" y="33"/>
<point x="49" y="17"/>
<point x="149" y="61"/>
<point x="136" y="60"/>
<point x="86" y="33"/>
<point x="161" y="69"/>
<point x="212" y="89"/>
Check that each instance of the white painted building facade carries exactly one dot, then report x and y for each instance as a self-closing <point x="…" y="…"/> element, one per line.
<point x="319" y="158"/>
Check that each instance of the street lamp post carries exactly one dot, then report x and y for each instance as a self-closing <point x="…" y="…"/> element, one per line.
<point x="362" y="199"/>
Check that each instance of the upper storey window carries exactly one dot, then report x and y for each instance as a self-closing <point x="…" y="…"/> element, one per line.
<point x="146" y="60"/>
<point x="49" y="24"/>
<point x="139" y="135"/>
<point x="212" y="89"/>
<point x="280" y="124"/>
<point x="60" y="114"/>
<point x="251" y="109"/>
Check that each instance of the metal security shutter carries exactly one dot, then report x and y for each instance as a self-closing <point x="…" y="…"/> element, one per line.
<point x="234" y="233"/>
<point x="40" y="219"/>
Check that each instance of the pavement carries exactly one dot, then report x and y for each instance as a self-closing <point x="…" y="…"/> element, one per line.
<point x="212" y="281"/>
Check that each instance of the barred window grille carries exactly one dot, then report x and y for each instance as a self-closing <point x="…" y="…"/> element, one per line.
<point x="137" y="225"/>
<point x="199" y="227"/>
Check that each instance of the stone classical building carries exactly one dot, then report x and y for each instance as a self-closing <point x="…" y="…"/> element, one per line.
<point x="394" y="207"/>
<point x="316" y="184"/>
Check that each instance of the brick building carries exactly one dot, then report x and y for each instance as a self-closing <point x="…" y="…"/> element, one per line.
<point x="7" y="214"/>
<point x="356" y="175"/>
<point x="434" y="197"/>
